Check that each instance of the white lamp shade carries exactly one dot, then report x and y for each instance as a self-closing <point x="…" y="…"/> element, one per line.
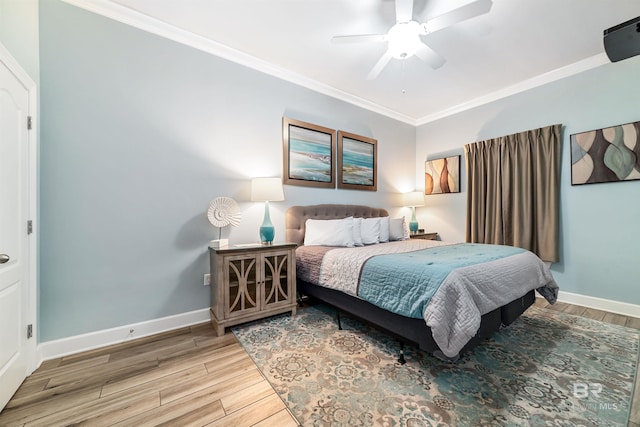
<point x="415" y="198"/>
<point x="266" y="190"/>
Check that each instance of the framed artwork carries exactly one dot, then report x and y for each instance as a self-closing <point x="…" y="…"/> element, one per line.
<point x="309" y="152"/>
<point x="357" y="162"/>
<point x="606" y="155"/>
<point x="442" y="175"/>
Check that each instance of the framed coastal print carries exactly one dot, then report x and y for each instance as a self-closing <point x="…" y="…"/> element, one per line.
<point x="309" y="152"/>
<point x="606" y="155"/>
<point x="357" y="162"/>
<point x="442" y="175"/>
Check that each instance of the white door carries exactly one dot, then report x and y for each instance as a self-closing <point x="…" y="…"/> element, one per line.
<point x="15" y="348"/>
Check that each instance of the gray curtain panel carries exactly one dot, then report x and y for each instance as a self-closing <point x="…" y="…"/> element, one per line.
<point x="513" y="186"/>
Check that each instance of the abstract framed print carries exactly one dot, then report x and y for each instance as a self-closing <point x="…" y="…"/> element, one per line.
<point x="442" y="175"/>
<point x="606" y="155"/>
<point x="308" y="158"/>
<point x="357" y="162"/>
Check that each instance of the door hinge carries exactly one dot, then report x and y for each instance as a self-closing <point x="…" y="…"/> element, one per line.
<point x="29" y="226"/>
<point x="29" y="122"/>
<point x="29" y="331"/>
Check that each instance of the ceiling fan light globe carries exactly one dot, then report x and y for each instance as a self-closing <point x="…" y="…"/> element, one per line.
<point x="404" y="39"/>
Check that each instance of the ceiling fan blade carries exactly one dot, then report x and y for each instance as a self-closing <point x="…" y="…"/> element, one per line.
<point x="382" y="62"/>
<point x="404" y="10"/>
<point x="429" y="56"/>
<point x="360" y="38"/>
<point x="469" y="10"/>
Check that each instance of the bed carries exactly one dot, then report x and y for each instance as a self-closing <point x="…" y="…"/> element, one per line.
<point x="454" y="318"/>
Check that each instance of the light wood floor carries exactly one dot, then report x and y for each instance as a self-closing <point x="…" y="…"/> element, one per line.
<point x="180" y="378"/>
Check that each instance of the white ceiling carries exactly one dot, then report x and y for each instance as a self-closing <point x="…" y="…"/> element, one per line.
<point x="517" y="45"/>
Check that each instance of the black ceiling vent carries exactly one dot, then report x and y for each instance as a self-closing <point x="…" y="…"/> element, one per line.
<point x="623" y="40"/>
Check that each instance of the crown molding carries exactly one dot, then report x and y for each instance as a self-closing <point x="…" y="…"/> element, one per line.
<point x="155" y="26"/>
<point x="540" y="80"/>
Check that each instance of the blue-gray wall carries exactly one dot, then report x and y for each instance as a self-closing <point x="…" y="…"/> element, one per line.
<point x="19" y="33"/>
<point x="138" y="135"/>
<point x="600" y="223"/>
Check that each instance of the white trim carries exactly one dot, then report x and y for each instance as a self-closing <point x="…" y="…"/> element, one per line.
<point x="540" y="80"/>
<point x="152" y="25"/>
<point x="155" y="26"/>
<point x="32" y="314"/>
<point x="612" y="306"/>
<point x="79" y="343"/>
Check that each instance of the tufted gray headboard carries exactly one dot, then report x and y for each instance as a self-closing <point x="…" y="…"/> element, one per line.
<point x="297" y="216"/>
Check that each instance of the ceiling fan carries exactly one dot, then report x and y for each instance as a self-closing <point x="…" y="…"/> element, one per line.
<point x="403" y="38"/>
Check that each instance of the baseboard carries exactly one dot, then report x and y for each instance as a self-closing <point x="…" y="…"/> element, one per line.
<point x="612" y="306"/>
<point x="79" y="343"/>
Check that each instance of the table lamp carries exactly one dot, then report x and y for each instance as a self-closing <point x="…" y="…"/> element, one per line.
<point x="266" y="190"/>
<point x="413" y="199"/>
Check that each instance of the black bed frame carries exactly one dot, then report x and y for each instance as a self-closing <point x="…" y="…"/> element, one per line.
<point x="404" y="328"/>
<point x="409" y="329"/>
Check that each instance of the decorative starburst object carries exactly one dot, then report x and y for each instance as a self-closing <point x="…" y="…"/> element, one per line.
<point x="223" y="211"/>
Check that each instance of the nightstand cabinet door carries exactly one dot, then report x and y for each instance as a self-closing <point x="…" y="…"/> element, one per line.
<point x="277" y="270"/>
<point x="251" y="282"/>
<point x="242" y="278"/>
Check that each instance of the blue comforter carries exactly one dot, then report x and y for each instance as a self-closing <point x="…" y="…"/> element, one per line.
<point x="405" y="283"/>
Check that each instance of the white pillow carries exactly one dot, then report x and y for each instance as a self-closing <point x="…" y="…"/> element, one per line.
<point x="405" y="228"/>
<point x="397" y="229"/>
<point x="357" y="232"/>
<point x="329" y="232"/>
<point x="370" y="230"/>
<point x="384" y="229"/>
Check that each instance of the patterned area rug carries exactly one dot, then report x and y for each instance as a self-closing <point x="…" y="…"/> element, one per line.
<point x="546" y="369"/>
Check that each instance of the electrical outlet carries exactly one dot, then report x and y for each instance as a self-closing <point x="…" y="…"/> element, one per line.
<point x="207" y="280"/>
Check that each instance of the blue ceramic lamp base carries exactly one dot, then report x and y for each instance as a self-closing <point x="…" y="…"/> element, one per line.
<point x="267" y="231"/>
<point x="266" y="235"/>
<point x="413" y="224"/>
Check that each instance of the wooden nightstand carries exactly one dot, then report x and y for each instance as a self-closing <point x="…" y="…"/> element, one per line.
<point x="424" y="236"/>
<point x="249" y="282"/>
